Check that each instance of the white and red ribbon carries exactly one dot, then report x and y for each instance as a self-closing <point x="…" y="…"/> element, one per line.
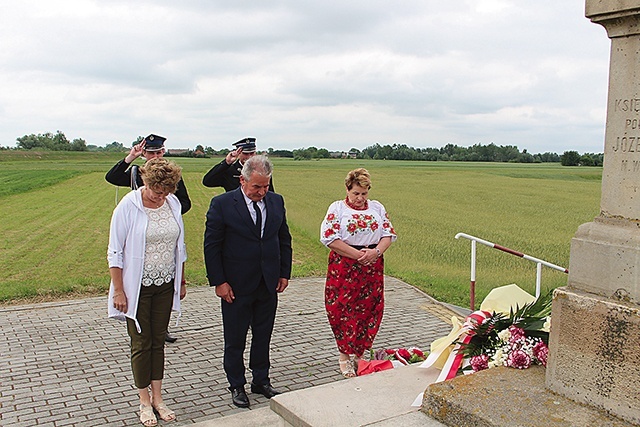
<point x="459" y="335"/>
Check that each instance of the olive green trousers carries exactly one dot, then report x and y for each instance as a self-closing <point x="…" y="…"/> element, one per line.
<point x="147" y="347"/>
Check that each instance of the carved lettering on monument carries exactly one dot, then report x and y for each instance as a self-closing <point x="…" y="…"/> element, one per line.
<point x="627" y="105"/>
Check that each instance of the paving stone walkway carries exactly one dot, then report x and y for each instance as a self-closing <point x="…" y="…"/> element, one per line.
<point x="65" y="364"/>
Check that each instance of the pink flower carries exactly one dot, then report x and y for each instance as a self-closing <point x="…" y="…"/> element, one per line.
<point x="479" y="363"/>
<point x="516" y="334"/>
<point x="541" y="352"/>
<point x="518" y="359"/>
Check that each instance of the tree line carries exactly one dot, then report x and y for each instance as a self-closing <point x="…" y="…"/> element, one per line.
<point x="450" y="152"/>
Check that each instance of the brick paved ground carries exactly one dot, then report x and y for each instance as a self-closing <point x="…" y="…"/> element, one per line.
<point x="65" y="364"/>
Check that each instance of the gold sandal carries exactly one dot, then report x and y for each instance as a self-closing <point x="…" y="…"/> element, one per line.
<point x="165" y="413"/>
<point x="347" y="368"/>
<point x="147" y="417"/>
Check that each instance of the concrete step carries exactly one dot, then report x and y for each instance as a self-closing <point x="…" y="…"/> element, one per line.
<point x="507" y="397"/>
<point x="377" y="399"/>
<point x="382" y="399"/>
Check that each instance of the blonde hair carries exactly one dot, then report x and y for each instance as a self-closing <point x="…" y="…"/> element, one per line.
<point x="359" y="177"/>
<point x="161" y="173"/>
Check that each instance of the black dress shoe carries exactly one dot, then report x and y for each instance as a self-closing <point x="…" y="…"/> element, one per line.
<point x="239" y="397"/>
<point x="170" y="338"/>
<point x="266" y="390"/>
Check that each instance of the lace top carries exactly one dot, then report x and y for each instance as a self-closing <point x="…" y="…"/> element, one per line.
<point x="160" y="247"/>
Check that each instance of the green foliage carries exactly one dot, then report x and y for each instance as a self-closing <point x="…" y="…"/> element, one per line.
<point x="570" y="158"/>
<point x="531" y="317"/>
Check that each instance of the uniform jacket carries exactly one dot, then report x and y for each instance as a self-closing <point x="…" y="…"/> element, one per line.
<point x="120" y="175"/>
<point x="233" y="249"/>
<point x="226" y="176"/>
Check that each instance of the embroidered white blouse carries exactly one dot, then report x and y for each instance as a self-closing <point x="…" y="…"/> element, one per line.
<point x="356" y="227"/>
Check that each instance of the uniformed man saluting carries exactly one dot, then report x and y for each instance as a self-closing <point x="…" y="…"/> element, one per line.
<point x="226" y="174"/>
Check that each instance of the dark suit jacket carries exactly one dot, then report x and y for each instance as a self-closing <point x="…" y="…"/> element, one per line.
<point x="233" y="249"/>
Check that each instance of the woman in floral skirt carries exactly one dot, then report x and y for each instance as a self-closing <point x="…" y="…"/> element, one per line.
<point x="358" y="232"/>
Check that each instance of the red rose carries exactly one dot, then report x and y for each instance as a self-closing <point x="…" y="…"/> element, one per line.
<point x="351" y="227"/>
<point x="362" y="224"/>
<point x="386" y="225"/>
<point x="367" y="217"/>
<point x="404" y="353"/>
<point x="374" y="225"/>
<point x="355" y="216"/>
<point x="331" y="217"/>
<point x="336" y="225"/>
<point x="328" y="232"/>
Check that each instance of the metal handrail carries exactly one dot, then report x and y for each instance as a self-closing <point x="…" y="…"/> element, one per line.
<point x="539" y="263"/>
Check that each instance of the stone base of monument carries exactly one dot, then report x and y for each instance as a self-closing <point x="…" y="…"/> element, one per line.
<point x="507" y="397"/>
<point x="597" y="361"/>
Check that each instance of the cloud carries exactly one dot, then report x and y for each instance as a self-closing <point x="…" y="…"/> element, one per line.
<point x="299" y="73"/>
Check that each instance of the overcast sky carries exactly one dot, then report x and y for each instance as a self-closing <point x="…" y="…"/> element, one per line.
<point x="300" y="73"/>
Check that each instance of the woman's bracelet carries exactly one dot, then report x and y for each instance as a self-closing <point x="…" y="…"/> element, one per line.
<point x="378" y="252"/>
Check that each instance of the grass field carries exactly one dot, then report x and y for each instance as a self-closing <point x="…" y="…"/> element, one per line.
<point x="55" y="211"/>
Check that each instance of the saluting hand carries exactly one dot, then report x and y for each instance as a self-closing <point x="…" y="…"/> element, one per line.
<point x="136" y="151"/>
<point x="232" y="156"/>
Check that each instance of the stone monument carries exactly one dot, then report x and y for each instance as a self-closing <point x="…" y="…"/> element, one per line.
<point x="595" y="333"/>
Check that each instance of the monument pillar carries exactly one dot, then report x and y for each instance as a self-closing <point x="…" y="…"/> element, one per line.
<point x="595" y="333"/>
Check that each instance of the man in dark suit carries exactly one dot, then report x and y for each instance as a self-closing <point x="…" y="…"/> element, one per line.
<point x="247" y="252"/>
<point x="226" y="174"/>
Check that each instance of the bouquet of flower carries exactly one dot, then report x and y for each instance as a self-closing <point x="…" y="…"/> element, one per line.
<point x="518" y="340"/>
<point x="405" y="356"/>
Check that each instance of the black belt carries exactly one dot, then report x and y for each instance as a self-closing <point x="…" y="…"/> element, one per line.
<point x="364" y="247"/>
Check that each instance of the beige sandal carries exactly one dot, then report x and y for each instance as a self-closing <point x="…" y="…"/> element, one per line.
<point x="165" y="413"/>
<point x="147" y="417"/>
<point x="347" y="368"/>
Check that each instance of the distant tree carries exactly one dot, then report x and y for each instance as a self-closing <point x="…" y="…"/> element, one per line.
<point x="78" y="144"/>
<point x="281" y="153"/>
<point x="29" y="142"/>
<point x="570" y="158"/>
<point x="586" y="160"/>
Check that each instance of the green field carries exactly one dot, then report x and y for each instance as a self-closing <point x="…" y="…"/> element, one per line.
<point x="55" y="211"/>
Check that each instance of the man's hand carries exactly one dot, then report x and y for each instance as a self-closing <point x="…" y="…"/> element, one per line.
<point x="282" y="284"/>
<point x="232" y="156"/>
<point x="225" y="292"/>
<point x="136" y="151"/>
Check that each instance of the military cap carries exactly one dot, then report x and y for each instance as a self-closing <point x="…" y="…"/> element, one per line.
<point x="248" y="145"/>
<point x="154" y="142"/>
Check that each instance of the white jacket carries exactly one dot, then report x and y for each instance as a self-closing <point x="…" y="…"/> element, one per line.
<point x="127" y="239"/>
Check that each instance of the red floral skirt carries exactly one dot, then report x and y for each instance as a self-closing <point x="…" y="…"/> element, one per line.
<point x="354" y="300"/>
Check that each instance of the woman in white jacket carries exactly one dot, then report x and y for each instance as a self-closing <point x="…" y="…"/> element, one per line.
<point x="146" y="261"/>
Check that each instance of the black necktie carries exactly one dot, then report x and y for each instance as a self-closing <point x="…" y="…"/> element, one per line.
<point x="258" y="218"/>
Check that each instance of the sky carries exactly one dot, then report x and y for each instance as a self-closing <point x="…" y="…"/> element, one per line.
<point x="301" y="73"/>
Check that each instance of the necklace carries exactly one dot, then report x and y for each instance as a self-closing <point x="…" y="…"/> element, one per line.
<point x="352" y="206"/>
<point x="154" y="205"/>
